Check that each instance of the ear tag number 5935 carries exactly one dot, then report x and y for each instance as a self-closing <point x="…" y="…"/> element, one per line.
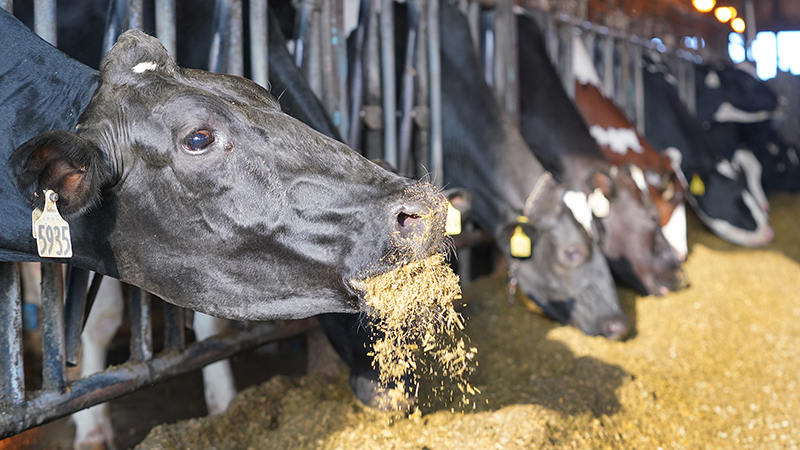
<point x="50" y="230"/>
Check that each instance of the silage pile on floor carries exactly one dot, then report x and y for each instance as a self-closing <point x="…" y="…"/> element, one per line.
<point x="714" y="366"/>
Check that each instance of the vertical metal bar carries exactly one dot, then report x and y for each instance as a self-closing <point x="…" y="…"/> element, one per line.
<point x="115" y="23"/>
<point x="328" y="73"/>
<point x="750" y="31"/>
<point x="358" y="77"/>
<point x="474" y="19"/>
<point x="174" y="336"/>
<point x="301" y="31"/>
<point x="54" y="371"/>
<point x="409" y="74"/>
<point x="388" y="77"/>
<point x="691" y="95"/>
<point x="75" y="311"/>
<point x="44" y="20"/>
<point x="259" y="64"/>
<point x="141" y="329"/>
<point x="638" y="88"/>
<point x="551" y="39"/>
<point x="435" y="80"/>
<point x="235" y="56"/>
<point x="135" y="16"/>
<point x="312" y="63"/>
<point x="624" y="76"/>
<point x="371" y="109"/>
<point x="489" y="47"/>
<point x="506" y="87"/>
<point x="422" y="116"/>
<point x="608" y="65"/>
<point x="219" y="41"/>
<point x="569" y="76"/>
<point x="339" y="42"/>
<point x="12" y="378"/>
<point x="165" y="25"/>
<point x="92" y="294"/>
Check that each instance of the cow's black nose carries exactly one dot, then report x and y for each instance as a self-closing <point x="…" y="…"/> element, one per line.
<point x="419" y="221"/>
<point x="615" y="328"/>
<point x="410" y="223"/>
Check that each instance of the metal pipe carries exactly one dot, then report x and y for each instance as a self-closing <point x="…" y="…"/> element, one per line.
<point x="135" y="15"/>
<point x="12" y="378"/>
<point x="141" y="325"/>
<point x="339" y="42"/>
<point x="54" y="376"/>
<point x="301" y="31"/>
<point x="219" y="42"/>
<point x="638" y="88"/>
<point x="422" y="116"/>
<point x="75" y="311"/>
<point x="435" y="80"/>
<point x="407" y="107"/>
<point x="165" y="25"/>
<point x="115" y="23"/>
<point x="235" y="35"/>
<point x="259" y="32"/>
<point x="608" y="66"/>
<point x="116" y="381"/>
<point x="44" y="20"/>
<point x="357" y="80"/>
<point x="388" y="77"/>
<point x="174" y="323"/>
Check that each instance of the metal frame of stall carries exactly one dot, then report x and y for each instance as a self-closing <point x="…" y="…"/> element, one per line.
<point x="365" y="110"/>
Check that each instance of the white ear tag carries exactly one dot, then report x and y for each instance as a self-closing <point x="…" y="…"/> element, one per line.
<point x="599" y="203"/>
<point x="453" y="225"/>
<point x="50" y="230"/>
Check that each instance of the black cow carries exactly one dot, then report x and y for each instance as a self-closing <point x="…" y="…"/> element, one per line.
<point x="720" y="193"/>
<point x="194" y="186"/>
<point x="637" y="251"/>
<point x="737" y="108"/>
<point x="566" y="274"/>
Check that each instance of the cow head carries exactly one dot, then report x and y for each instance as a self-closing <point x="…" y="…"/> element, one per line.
<point x="565" y="273"/>
<point x="633" y="240"/>
<point x="732" y="94"/>
<point x="197" y="188"/>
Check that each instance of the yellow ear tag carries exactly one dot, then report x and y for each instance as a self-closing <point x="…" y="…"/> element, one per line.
<point x="520" y="244"/>
<point x="696" y="187"/>
<point x="50" y="230"/>
<point x="453" y="225"/>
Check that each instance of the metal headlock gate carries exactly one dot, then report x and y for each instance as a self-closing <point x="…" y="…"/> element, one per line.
<point x="380" y="114"/>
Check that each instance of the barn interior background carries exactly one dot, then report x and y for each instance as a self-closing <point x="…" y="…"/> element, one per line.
<point x="398" y="119"/>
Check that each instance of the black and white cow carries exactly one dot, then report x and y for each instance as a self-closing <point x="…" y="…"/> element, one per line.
<point x="724" y="193"/>
<point x="633" y="242"/>
<point x="194" y="186"/>
<point x="565" y="274"/>
<point x="737" y="110"/>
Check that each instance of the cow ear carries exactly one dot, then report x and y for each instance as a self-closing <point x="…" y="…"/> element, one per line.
<point x="135" y="55"/>
<point x="604" y="182"/>
<point x="73" y="167"/>
<point x="461" y="199"/>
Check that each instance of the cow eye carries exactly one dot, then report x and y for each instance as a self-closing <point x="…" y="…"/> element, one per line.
<point x="198" y="141"/>
<point x="572" y="256"/>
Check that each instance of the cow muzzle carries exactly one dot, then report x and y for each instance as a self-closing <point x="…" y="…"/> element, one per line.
<point x="419" y="222"/>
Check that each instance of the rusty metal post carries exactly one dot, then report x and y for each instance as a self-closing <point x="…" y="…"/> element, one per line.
<point x="259" y="43"/>
<point x="12" y="378"/>
<point x="44" y="20"/>
<point x="54" y="377"/>
<point x="388" y="78"/>
<point x="165" y="25"/>
<point x="141" y="325"/>
<point x="435" y="86"/>
<point x="75" y="311"/>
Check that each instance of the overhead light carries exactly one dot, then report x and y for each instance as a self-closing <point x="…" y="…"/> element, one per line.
<point x="738" y="25"/>
<point x="704" y="5"/>
<point x="725" y="13"/>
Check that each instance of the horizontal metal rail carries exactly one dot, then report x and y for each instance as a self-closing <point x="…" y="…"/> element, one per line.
<point x="44" y="406"/>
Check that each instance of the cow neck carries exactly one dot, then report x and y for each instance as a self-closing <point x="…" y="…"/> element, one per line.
<point x="484" y="152"/>
<point x="41" y="89"/>
<point x="550" y="123"/>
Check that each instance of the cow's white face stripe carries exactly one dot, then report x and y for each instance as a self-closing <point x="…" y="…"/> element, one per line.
<point x="619" y="140"/>
<point x="582" y="66"/>
<point x="752" y="173"/>
<point x="144" y="66"/>
<point x="600" y="205"/>
<point x="729" y="113"/>
<point x="675" y="231"/>
<point x="579" y="205"/>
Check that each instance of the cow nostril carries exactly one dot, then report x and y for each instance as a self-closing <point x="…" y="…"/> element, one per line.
<point x="615" y="329"/>
<point x="404" y="219"/>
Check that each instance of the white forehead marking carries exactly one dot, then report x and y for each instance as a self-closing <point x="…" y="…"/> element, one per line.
<point x="729" y="113"/>
<point x="638" y="177"/>
<point x="599" y="203"/>
<point x="675" y="231"/>
<point x="578" y="204"/>
<point x="582" y="66"/>
<point x="712" y="80"/>
<point x="725" y="168"/>
<point x="144" y="66"/>
<point x="619" y="140"/>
